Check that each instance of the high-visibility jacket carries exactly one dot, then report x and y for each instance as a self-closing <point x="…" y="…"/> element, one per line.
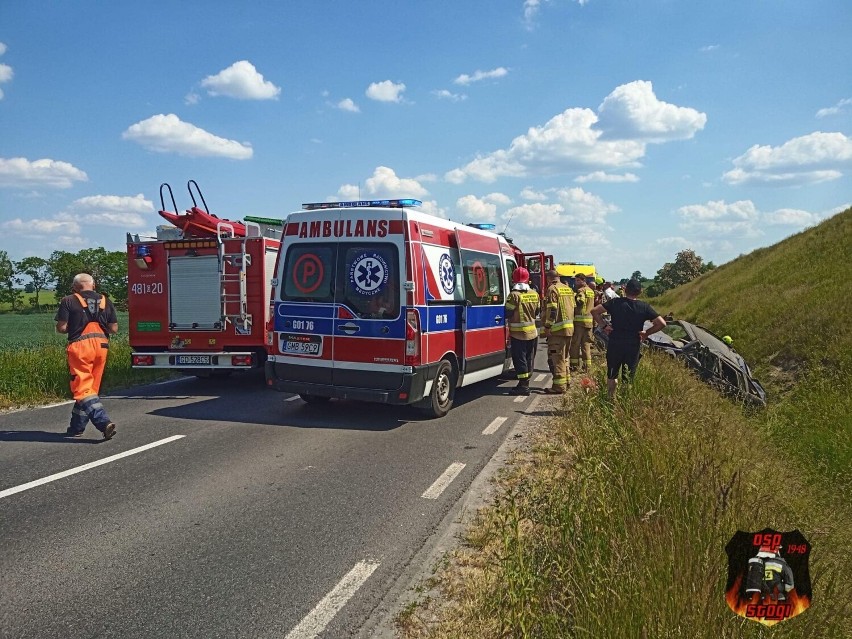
<point x="521" y="308"/>
<point x="559" y="317"/>
<point x="585" y="301"/>
<point x="87" y="354"/>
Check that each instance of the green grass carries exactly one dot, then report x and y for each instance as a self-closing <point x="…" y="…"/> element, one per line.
<point x="46" y="298"/>
<point x="614" y="523"/>
<point x="33" y="369"/>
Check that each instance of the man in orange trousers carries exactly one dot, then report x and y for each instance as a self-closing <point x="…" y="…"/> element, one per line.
<point x="88" y="318"/>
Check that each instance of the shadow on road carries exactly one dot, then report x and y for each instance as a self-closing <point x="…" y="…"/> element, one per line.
<point x="44" y="436"/>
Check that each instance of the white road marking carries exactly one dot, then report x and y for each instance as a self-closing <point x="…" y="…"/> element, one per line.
<point x="292" y="399"/>
<point x="324" y="612"/>
<point x="169" y="381"/>
<point x="493" y="426"/>
<point x="89" y="466"/>
<point x="520" y="398"/>
<point x="434" y="491"/>
<point x="540" y="377"/>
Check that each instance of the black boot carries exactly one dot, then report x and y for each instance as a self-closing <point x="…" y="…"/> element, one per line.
<point x="523" y="387"/>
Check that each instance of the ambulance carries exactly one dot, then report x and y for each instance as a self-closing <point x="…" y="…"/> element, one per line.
<point x="376" y="301"/>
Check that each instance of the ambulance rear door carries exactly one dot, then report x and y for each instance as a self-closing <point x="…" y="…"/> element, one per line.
<point x="369" y="323"/>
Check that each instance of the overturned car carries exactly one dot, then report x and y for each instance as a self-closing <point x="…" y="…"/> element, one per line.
<point x="714" y="361"/>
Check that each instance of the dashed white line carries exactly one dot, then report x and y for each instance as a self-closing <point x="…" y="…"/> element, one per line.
<point x="520" y="398"/>
<point x="324" y="612"/>
<point x="540" y="377"/>
<point x="493" y="426"/>
<point x="292" y="399"/>
<point x="89" y="466"/>
<point x="434" y="491"/>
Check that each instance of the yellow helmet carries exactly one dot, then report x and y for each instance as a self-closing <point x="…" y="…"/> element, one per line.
<point x="728" y="340"/>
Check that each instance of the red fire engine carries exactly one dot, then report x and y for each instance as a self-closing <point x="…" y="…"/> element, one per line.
<point x="198" y="295"/>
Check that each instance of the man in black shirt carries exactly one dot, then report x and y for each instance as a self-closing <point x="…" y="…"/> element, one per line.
<point x="627" y="320"/>
<point x="88" y="318"/>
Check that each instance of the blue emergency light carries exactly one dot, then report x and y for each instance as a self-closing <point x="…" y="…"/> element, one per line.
<point x="387" y="204"/>
<point x="482" y="226"/>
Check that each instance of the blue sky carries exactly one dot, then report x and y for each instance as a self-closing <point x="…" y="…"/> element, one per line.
<point x="612" y="131"/>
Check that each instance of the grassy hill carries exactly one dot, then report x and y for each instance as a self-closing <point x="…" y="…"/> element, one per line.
<point x="612" y="521"/>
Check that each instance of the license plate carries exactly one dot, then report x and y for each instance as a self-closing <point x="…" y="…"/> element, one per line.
<point x="306" y="345"/>
<point x="192" y="360"/>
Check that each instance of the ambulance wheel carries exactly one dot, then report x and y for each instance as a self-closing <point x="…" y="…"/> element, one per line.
<point x="314" y="399"/>
<point x="443" y="391"/>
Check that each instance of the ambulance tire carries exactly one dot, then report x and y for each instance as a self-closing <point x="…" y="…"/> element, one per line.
<point x="440" y="399"/>
<point x="314" y="400"/>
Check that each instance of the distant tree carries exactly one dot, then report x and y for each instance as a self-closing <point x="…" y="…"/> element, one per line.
<point x="707" y="267"/>
<point x="9" y="280"/>
<point x="637" y="275"/>
<point x="109" y="268"/>
<point x="38" y="270"/>
<point x="63" y="267"/>
<point x="686" y="267"/>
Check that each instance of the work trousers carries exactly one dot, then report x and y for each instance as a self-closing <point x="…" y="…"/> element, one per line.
<point x="581" y="347"/>
<point x="523" y="356"/>
<point x="86" y="362"/>
<point x="557" y="355"/>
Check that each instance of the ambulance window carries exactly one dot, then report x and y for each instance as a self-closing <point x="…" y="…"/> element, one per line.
<point x="483" y="278"/>
<point x="308" y="273"/>
<point x="368" y="277"/>
<point x="510" y="268"/>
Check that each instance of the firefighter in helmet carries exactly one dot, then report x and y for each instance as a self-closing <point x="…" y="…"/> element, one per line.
<point x="581" y="341"/>
<point x="769" y="575"/>
<point x="522" y="305"/>
<point x="88" y="318"/>
<point x="558" y="328"/>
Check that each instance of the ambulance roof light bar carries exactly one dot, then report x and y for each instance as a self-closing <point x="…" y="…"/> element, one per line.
<point x="387" y="204"/>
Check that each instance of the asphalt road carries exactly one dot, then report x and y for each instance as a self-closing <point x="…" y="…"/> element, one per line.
<point x="247" y="515"/>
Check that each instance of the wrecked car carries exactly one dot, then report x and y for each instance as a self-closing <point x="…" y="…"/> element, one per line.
<point x="714" y="361"/>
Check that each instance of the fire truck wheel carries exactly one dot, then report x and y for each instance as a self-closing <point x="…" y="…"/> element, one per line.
<point x="443" y="391"/>
<point x="314" y="399"/>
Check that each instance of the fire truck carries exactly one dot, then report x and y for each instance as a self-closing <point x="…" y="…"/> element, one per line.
<point x="198" y="294"/>
<point x="376" y="301"/>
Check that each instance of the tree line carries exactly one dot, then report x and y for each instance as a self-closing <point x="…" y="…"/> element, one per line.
<point x="685" y="268"/>
<point x="37" y="274"/>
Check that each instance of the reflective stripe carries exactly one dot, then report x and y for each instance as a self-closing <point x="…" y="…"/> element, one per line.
<point x="521" y="325"/>
<point x="87" y="336"/>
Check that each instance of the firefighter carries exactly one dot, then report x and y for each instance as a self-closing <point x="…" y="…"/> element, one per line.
<point x="581" y="341"/>
<point x="769" y="575"/>
<point x="522" y="305"/>
<point x="88" y="318"/>
<point x="558" y="327"/>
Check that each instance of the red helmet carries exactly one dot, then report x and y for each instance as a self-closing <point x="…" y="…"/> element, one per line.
<point x="520" y="275"/>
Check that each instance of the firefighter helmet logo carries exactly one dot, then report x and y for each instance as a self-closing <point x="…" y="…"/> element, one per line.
<point x="368" y="273"/>
<point x="447" y="274"/>
<point x="768" y="578"/>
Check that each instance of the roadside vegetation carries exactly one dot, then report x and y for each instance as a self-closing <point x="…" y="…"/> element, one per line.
<point x="33" y="368"/>
<point x="614" y="520"/>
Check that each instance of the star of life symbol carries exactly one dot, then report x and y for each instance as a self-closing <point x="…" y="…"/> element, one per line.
<point x="447" y="274"/>
<point x="368" y="273"/>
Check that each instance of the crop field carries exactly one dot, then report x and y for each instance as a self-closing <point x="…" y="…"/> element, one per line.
<point x="33" y="369"/>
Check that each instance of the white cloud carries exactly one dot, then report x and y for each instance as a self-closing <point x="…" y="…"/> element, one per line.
<point x="3" y="48"/>
<point x="169" y="134"/>
<point x="478" y="210"/>
<point x="114" y="210"/>
<point x="41" y="227"/>
<point x="582" y="207"/>
<point x="242" y="81"/>
<point x="498" y="198"/>
<point x="21" y="173"/>
<point x="791" y="217"/>
<point x="812" y="158"/>
<point x="603" y="176"/>
<point x="837" y="109"/>
<point x="192" y="98"/>
<point x="709" y="47"/>
<point x="456" y="176"/>
<point x="529" y="194"/>
<point x="532" y="7"/>
<point x="385" y="91"/>
<point x="443" y="94"/>
<point x="346" y="104"/>
<point x="633" y="112"/>
<point x="431" y="207"/>
<point x="384" y="183"/>
<point x="717" y="218"/>
<point x="6" y="74"/>
<point x="464" y="79"/>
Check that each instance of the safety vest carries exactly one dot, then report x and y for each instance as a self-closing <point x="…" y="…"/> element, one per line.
<point x="560" y="310"/>
<point x="523" y="305"/>
<point x="91" y="307"/>
<point x="585" y="298"/>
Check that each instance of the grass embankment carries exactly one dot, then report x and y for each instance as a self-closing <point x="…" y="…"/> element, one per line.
<point x="614" y="522"/>
<point x="33" y="368"/>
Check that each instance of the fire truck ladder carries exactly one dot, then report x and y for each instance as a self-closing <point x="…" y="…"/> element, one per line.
<point x="232" y="271"/>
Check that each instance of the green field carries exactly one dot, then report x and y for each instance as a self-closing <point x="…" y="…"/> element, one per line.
<point x="46" y="298"/>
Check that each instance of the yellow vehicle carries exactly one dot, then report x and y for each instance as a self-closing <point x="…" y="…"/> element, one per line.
<point x="567" y="271"/>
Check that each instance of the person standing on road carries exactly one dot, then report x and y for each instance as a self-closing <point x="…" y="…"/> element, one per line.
<point x="626" y="332"/>
<point x="581" y="341"/>
<point x="558" y="328"/>
<point x="522" y="305"/>
<point x="88" y="318"/>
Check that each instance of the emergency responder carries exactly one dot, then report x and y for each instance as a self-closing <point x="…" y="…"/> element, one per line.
<point x="769" y="575"/>
<point x="626" y="331"/>
<point x="581" y="341"/>
<point x="88" y="318"/>
<point x="558" y="328"/>
<point x="522" y="305"/>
